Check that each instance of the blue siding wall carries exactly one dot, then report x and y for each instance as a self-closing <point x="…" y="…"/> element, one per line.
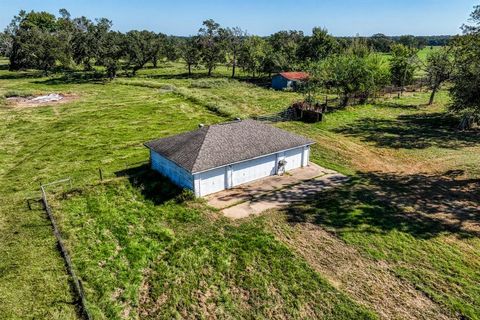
<point x="171" y="170"/>
<point x="279" y="82"/>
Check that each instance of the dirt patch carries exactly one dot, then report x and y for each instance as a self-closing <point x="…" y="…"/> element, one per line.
<point x="146" y="306"/>
<point x="40" y="100"/>
<point x="369" y="282"/>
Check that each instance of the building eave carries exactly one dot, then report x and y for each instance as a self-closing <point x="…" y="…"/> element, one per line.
<point x="257" y="157"/>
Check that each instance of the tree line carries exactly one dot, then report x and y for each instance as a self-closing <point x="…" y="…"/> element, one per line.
<point x="41" y="40"/>
<point x="351" y="66"/>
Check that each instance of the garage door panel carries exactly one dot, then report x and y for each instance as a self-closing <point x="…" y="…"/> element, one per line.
<point x="212" y="181"/>
<point x="253" y="169"/>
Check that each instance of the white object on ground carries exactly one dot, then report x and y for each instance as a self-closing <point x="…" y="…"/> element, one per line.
<point x="48" y="98"/>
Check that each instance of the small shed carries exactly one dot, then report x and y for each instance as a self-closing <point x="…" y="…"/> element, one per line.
<point x="288" y="80"/>
<point x="223" y="156"/>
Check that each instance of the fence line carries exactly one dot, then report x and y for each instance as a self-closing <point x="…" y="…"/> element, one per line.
<point x="284" y="115"/>
<point x="77" y="285"/>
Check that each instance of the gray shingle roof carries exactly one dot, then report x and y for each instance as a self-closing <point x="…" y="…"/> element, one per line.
<point x="222" y="144"/>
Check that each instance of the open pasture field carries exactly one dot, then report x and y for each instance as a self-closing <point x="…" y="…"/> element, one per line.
<point x="406" y="225"/>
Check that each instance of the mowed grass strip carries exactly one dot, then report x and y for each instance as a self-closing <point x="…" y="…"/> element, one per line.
<point x="140" y="246"/>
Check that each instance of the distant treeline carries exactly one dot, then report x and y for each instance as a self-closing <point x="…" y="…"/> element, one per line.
<point x="383" y="43"/>
<point x="41" y="40"/>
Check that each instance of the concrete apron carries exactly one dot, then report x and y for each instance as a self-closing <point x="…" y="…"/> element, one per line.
<point x="275" y="191"/>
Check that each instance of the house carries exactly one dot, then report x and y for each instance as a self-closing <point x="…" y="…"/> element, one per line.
<point x="288" y="80"/>
<point x="223" y="156"/>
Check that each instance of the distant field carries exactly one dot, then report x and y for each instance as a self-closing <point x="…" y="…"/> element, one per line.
<point x="144" y="250"/>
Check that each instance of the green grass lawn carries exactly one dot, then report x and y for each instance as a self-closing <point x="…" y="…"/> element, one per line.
<point x="142" y="248"/>
<point x="105" y="127"/>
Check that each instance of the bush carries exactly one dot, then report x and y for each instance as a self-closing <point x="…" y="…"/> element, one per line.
<point x="185" y="196"/>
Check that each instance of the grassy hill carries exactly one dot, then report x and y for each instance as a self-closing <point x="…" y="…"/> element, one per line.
<point x="407" y="221"/>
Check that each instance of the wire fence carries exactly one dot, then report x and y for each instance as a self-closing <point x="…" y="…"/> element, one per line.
<point x="88" y="176"/>
<point x="77" y="285"/>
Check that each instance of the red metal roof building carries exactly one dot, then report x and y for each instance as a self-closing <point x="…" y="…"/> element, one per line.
<point x="288" y="80"/>
<point x="295" y="75"/>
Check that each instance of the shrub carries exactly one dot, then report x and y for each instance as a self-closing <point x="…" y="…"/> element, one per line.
<point x="185" y="196"/>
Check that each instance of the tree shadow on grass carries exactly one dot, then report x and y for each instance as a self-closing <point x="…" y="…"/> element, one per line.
<point x="152" y="185"/>
<point x="397" y="105"/>
<point x="416" y="131"/>
<point x="421" y="205"/>
<point x="262" y="82"/>
<point x="184" y="76"/>
<point x="74" y="78"/>
<point x="21" y="75"/>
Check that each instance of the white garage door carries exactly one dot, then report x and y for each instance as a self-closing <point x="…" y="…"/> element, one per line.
<point x="293" y="158"/>
<point x="253" y="169"/>
<point x="212" y="181"/>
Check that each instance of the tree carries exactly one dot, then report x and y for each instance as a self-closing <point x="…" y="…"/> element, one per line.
<point x="439" y="69"/>
<point x="171" y="48"/>
<point x="317" y="46"/>
<point x="33" y="41"/>
<point x="109" y="56"/>
<point x="352" y="74"/>
<point x="284" y="47"/>
<point x="159" y="48"/>
<point x="466" y="73"/>
<point x="270" y="61"/>
<point x="233" y="39"/>
<point x="212" y="51"/>
<point x="42" y="49"/>
<point x="252" y="54"/>
<point x="139" y="48"/>
<point x="83" y="44"/>
<point x="359" y="47"/>
<point x="190" y="52"/>
<point x="88" y="39"/>
<point x="65" y="30"/>
<point x="475" y="19"/>
<point x="408" y="41"/>
<point x="5" y="44"/>
<point x="403" y="65"/>
<point x="380" y="42"/>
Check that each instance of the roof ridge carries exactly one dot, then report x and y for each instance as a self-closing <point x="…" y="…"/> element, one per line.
<point x="197" y="155"/>
<point x="207" y="129"/>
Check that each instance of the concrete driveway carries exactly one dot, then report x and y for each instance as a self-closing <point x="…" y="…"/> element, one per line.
<point x="275" y="191"/>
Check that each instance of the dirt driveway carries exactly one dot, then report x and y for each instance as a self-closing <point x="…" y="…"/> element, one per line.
<point x="275" y="191"/>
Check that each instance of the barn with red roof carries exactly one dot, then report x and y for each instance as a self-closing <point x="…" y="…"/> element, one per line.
<point x="288" y="80"/>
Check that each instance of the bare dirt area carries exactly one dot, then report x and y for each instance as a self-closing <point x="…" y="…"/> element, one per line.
<point x="40" y="100"/>
<point x="368" y="282"/>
